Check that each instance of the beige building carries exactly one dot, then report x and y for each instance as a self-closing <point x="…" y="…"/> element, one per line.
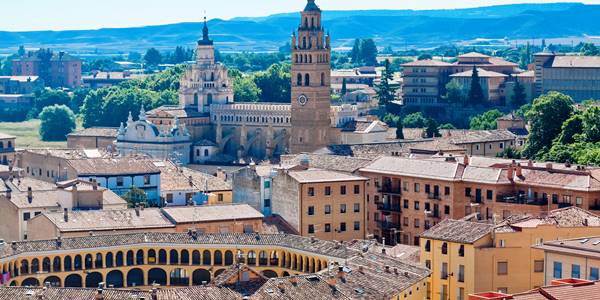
<point x="92" y="138"/>
<point x="222" y="218"/>
<point x="25" y="198"/>
<point x="577" y="258"/>
<point x="471" y="257"/>
<point x="491" y="82"/>
<point x="576" y="76"/>
<point x="98" y="222"/>
<point x="326" y="204"/>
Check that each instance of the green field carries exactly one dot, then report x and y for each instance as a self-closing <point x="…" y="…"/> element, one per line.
<point x="27" y="134"/>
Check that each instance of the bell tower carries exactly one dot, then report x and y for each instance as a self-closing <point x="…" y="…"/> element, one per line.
<point x="311" y="81"/>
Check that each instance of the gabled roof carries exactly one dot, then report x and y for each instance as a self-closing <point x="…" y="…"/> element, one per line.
<point x="108" y="220"/>
<point x="416" y="168"/>
<point x="458" y="231"/>
<point x="113" y="166"/>
<point x="211" y="213"/>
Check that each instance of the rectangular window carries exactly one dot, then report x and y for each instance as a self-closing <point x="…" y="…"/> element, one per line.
<point x="444" y="271"/>
<point x="342" y="208"/>
<point x="146" y="179"/>
<point x="327" y="227"/>
<point x="489" y="194"/>
<point x="327" y="191"/>
<point x="447" y="209"/>
<point x="26" y="216"/>
<point x="593" y="273"/>
<point x="538" y="266"/>
<point x="417" y="188"/>
<point x="416" y="205"/>
<point x="502" y="268"/>
<point x="405" y="186"/>
<point x="267" y="184"/>
<point x="356" y="189"/>
<point x="446" y="190"/>
<point x="405" y="203"/>
<point x="37" y="213"/>
<point x="405" y="221"/>
<point x="356" y="226"/>
<point x="461" y="293"/>
<point x="311" y="191"/>
<point x="327" y="209"/>
<point x="220" y="197"/>
<point x="343" y="190"/>
<point x="356" y="207"/>
<point x="311" y="210"/>
<point x="120" y="181"/>
<point x="169" y="198"/>
<point x="554" y="198"/>
<point x="343" y="227"/>
<point x="311" y="228"/>
<point x="557" y="272"/>
<point x="417" y="223"/>
<point x="461" y="273"/>
<point x="427" y="188"/>
<point x="468" y="192"/>
<point x="575" y="271"/>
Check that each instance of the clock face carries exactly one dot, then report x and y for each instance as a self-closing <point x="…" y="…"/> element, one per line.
<point x="302" y="100"/>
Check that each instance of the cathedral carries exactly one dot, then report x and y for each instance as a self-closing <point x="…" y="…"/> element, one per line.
<point x="220" y="130"/>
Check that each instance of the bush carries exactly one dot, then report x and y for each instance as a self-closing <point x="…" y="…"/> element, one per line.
<point x="57" y="122"/>
<point x="414" y="120"/>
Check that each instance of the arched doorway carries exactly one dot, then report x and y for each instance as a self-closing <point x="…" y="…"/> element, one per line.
<point x="179" y="277"/>
<point x="199" y="276"/>
<point x="228" y="258"/>
<point x="114" y="279"/>
<point x="157" y="276"/>
<point x="269" y="274"/>
<point x="30" y="282"/>
<point x="73" y="280"/>
<point x="93" y="279"/>
<point x="135" y="277"/>
<point x="54" y="281"/>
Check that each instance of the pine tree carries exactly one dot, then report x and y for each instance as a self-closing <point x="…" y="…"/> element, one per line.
<point x="355" y="55"/>
<point x="386" y="93"/>
<point x="368" y="51"/>
<point x="431" y="128"/>
<point x="399" y="129"/>
<point x="344" y="87"/>
<point x="476" y="95"/>
<point x="519" y="97"/>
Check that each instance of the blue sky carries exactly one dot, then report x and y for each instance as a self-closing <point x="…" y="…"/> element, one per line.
<point x="90" y="14"/>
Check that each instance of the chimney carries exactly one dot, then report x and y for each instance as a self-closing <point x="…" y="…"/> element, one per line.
<point x="361" y="269"/>
<point x="466" y="160"/>
<point x="387" y="268"/>
<point x="396" y="271"/>
<point x="519" y="170"/>
<point x="221" y="174"/>
<point x="13" y="245"/>
<point x="137" y="210"/>
<point x="312" y="239"/>
<point x="294" y="280"/>
<point x="29" y="194"/>
<point x="66" y="214"/>
<point x="341" y="274"/>
<point x="510" y="173"/>
<point x="281" y="287"/>
<point x="99" y="292"/>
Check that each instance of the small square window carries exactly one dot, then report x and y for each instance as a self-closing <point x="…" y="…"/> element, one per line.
<point x="502" y="268"/>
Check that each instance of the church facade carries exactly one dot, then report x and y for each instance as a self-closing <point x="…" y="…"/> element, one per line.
<point x="240" y="132"/>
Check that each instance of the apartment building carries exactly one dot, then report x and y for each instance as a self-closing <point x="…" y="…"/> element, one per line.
<point x="577" y="258"/>
<point x="472" y="257"/>
<point x="576" y="76"/>
<point x="424" y="81"/>
<point x="326" y="204"/>
<point x="412" y="194"/>
<point x="63" y="69"/>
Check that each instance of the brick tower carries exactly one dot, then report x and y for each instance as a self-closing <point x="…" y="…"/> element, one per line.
<point x="311" y="77"/>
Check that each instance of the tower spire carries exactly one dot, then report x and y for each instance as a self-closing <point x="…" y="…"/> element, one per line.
<point x="205" y="39"/>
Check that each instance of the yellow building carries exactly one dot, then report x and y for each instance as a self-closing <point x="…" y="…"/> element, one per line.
<point x="313" y="267"/>
<point x="472" y="257"/>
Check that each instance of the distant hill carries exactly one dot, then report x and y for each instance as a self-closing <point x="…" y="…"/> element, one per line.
<point x="397" y="28"/>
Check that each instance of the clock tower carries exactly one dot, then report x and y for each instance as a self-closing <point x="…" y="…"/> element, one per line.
<point x="311" y="81"/>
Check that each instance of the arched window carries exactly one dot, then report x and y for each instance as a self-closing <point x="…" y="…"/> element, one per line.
<point x="206" y="152"/>
<point x="307" y="80"/>
<point x="312" y="22"/>
<point x="130" y="258"/>
<point x="212" y="76"/>
<point x="310" y="59"/>
<point x="174" y="257"/>
<point x="24" y="267"/>
<point x="322" y="79"/>
<point x="162" y="257"/>
<point x="299" y="83"/>
<point x="304" y="43"/>
<point x="206" y="260"/>
<point x="218" y="258"/>
<point x="305" y="22"/>
<point x="296" y="58"/>
<point x="196" y="257"/>
<point x="68" y="263"/>
<point x="77" y="262"/>
<point x="119" y="259"/>
<point x="88" y="261"/>
<point x="109" y="260"/>
<point x="139" y="257"/>
<point x="185" y="257"/>
<point x="98" y="263"/>
<point x="35" y="266"/>
<point x="56" y="264"/>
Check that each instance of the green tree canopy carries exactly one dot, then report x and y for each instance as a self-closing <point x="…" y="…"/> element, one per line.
<point x="546" y="117"/>
<point x="153" y="57"/>
<point x="385" y="92"/>
<point x="136" y="196"/>
<point x="414" y="120"/>
<point x="454" y="92"/>
<point x="431" y="128"/>
<point x="591" y="124"/>
<point x="368" y="51"/>
<point x="56" y="122"/>
<point x="486" y="121"/>
<point x="570" y="129"/>
<point x="519" y="97"/>
<point x="245" y="89"/>
<point x="355" y="54"/>
<point x="47" y="97"/>
<point x="275" y="83"/>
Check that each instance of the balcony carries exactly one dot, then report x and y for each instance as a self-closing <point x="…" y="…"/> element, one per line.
<point x="434" y="196"/>
<point x="389" y="190"/>
<point x="389" y="207"/>
<point x="433" y="213"/>
<point x="388" y="225"/>
<point x="522" y="199"/>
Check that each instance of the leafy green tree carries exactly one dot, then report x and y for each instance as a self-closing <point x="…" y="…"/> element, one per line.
<point x="591" y="124"/>
<point x="47" y="97"/>
<point x="134" y="56"/>
<point x="546" y="117"/>
<point x="245" y="89"/>
<point x="454" y="92"/>
<point x="390" y="119"/>
<point x="77" y="99"/>
<point x="180" y="55"/>
<point x="356" y="54"/>
<point x="485" y="121"/>
<point x="522" y="111"/>
<point x="476" y="95"/>
<point x="431" y="128"/>
<point x="589" y="49"/>
<point x="510" y="153"/>
<point x="570" y="129"/>
<point x="414" y="120"/>
<point x="519" y="97"/>
<point x="447" y="126"/>
<point x="153" y="57"/>
<point x="275" y="83"/>
<point x="368" y="51"/>
<point x="399" y="129"/>
<point x="425" y="56"/>
<point x="385" y="92"/>
<point x="136" y="196"/>
<point x="56" y="122"/>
